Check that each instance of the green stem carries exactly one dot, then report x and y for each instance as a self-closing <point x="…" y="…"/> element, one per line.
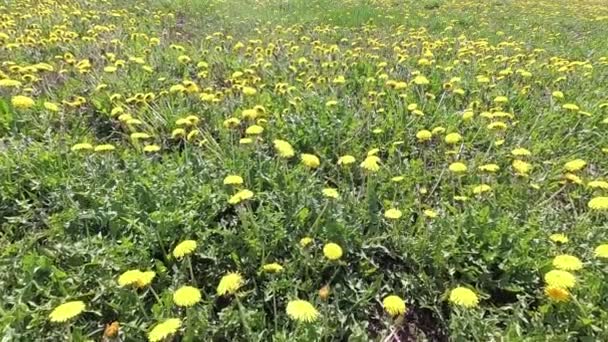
<point x="244" y="319"/>
<point x="191" y="271"/>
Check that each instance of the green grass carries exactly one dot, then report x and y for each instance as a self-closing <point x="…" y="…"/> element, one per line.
<point x="71" y="222"/>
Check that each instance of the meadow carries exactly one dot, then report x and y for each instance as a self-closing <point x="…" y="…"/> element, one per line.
<point x="290" y="170"/>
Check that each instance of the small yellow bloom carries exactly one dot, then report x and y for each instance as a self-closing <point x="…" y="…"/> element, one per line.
<point x="82" y="147"/>
<point x="520" y="152"/>
<point x="165" y="329"/>
<point x="186" y="296"/>
<point x="430" y="213"/>
<point x="559" y="278"/>
<point x="229" y="284"/>
<point x="330" y="193"/>
<point x="601" y="251"/>
<point x="464" y="297"/>
<point x="557" y="294"/>
<point x="104" y="148"/>
<point x="458" y="167"/>
<point x="310" y="160"/>
<point x="421" y="80"/>
<point x="346" y="160"/>
<point x="424" y="135"/>
<point x="558" y="238"/>
<point x="332" y="251"/>
<point x="453" y="138"/>
<point x="254" y="130"/>
<point x="283" y="148"/>
<point x="240" y="196"/>
<point x="370" y="164"/>
<point x="598" y="203"/>
<point x="571" y="107"/>
<point x="521" y="167"/>
<point x="481" y="188"/>
<point x="151" y="148"/>
<point x="305" y="241"/>
<point x="567" y="262"/>
<point x="22" y="102"/>
<point x="67" y="311"/>
<point x="394" y="305"/>
<point x="184" y="248"/>
<point x="301" y="310"/>
<point x="249" y="91"/>
<point x="233" y="180"/>
<point x="575" y="165"/>
<point x="489" y="168"/>
<point x="272" y="268"/>
<point x="393" y="214"/>
<point x="53" y="107"/>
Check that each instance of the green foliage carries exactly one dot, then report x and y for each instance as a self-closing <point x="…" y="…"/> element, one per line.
<point x="72" y="221"/>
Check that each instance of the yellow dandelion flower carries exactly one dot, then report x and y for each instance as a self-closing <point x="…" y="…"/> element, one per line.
<point x="571" y="107"/>
<point x="557" y="294"/>
<point x="184" y="248"/>
<point x="22" y="102"/>
<point x="463" y="296"/>
<point x="601" y="251"/>
<point x="598" y="184"/>
<point x="165" y="329"/>
<point x="421" y="80"/>
<point x="575" y="165"/>
<point x="489" y="168"/>
<point x="254" y="130"/>
<point x="233" y="180"/>
<point x="82" y="147"/>
<point x="145" y="279"/>
<point x="8" y="83"/>
<point x="53" y="107"/>
<point x="567" y="262"/>
<point x="241" y="196"/>
<point x="104" y="148"/>
<point x="559" y="278"/>
<point x="151" y="148"/>
<point x="481" y="188"/>
<point x="330" y="193"/>
<point x="310" y="160"/>
<point x="332" y="251"/>
<point x="558" y="238"/>
<point x="598" y="203"/>
<point x="521" y="152"/>
<point x="249" y="91"/>
<point x="231" y="122"/>
<point x="301" y="310"/>
<point x="424" y="135"/>
<point x="186" y="296"/>
<point x="130" y="277"/>
<point x="458" y="167"/>
<point x="430" y="213"/>
<point x="521" y="167"/>
<point x="305" y="241"/>
<point x="272" y="268"/>
<point x="370" y="164"/>
<point x="283" y="148"/>
<point x="229" y="284"/>
<point x="67" y="311"/>
<point x="393" y="214"/>
<point x="453" y="138"/>
<point x="346" y="160"/>
<point x="394" y="305"/>
<point x="501" y="99"/>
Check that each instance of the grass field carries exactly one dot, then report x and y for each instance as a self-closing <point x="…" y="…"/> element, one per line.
<point x="290" y="170"/>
